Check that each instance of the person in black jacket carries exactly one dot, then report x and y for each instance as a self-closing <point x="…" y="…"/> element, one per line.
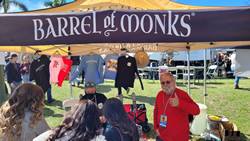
<point x="39" y="71"/>
<point x="123" y="128"/>
<point x="13" y="73"/>
<point x="91" y="94"/>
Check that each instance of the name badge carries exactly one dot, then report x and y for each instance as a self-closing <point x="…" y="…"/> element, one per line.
<point x="163" y="121"/>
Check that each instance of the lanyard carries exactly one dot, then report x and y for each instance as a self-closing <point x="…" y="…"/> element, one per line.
<point x="95" y="99"/>
<point x="167" y="101"/>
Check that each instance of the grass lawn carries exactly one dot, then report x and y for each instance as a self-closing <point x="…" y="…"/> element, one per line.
<point x="222" y="99"/>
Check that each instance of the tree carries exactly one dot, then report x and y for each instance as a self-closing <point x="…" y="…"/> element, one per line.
<point x="5" y="4"/>
<point x="3" y="95"/>
<point x="54" y="3"/>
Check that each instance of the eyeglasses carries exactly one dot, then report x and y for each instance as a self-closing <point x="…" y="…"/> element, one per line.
<point x="167" y="82"/>
<point x="90" y="85"/>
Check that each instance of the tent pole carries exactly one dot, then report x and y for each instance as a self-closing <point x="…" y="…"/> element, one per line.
<point x="70" y="84"/>
<point x="205" y="75"/>
<point x="188" y="65"/>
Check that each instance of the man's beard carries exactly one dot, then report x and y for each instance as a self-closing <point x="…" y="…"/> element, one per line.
<point x="168" y="89"/>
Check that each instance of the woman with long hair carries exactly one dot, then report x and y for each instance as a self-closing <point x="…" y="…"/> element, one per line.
<point x="81" y="123"/>
<point x="21" y="116"/>
<point x="123" y="128"/>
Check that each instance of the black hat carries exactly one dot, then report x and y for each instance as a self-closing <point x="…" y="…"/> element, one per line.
<point x="13" y="55"/>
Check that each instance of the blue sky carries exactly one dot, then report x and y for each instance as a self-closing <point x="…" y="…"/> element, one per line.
<point x="214" y="2"/>
<point x="38" y="4"/>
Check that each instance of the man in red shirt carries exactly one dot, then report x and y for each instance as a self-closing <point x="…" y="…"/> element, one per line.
<point x="172" y="107"/>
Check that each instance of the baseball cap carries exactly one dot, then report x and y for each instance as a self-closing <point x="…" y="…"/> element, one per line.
<point x="13" y="55"/>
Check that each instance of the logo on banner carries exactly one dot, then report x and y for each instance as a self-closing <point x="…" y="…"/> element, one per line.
<point x="168" y="24"/>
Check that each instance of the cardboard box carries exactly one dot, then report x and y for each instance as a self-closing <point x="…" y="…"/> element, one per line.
<point x="229" y="132"/>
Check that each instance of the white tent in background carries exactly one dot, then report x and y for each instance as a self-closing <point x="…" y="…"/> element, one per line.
<point x="242" y="66"/>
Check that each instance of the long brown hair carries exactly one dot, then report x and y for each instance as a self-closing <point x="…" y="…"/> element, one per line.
<point x="82" y="120"/>
<point x="25" y="96"/>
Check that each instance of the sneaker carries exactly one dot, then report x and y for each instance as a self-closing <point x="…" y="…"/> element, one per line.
<point x="117" y="95"/>
<point x="128" y="90"/>
<point x="78" y="84"/>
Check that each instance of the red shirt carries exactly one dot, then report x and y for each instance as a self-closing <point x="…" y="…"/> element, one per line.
<point x="177" y="128"/>
<point x="64" y="71"/>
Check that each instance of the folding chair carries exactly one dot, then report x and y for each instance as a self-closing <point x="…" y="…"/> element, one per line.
<point x="185" y="74"/>
<point x="69" y="103"/>
<point x="173" y="69"/>
<point x="143" y="73"/>
<point x="212" y="72"/>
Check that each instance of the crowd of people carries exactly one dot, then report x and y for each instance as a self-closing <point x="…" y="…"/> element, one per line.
<point x="227" y="62"/>
<point x="21" y="116"/>
<point x="94" y="117"/>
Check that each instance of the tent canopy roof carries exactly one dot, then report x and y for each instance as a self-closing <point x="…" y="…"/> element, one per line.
<point x="98" y="5"/>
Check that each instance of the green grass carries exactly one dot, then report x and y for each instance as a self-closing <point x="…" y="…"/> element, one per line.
<point x="222" y="99"/>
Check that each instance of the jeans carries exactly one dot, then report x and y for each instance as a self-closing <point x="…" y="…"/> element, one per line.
<point x="73" y="70"/>
<point x="26" y="78"/>
<point x="16" y="84"/>
<point x="158" y="139"/>
<point x="49" y="97"/>
<point x="120" y="90"/>
<point x="237" y="78"/>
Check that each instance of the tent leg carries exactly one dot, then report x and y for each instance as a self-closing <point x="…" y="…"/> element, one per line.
<point x="70" y="84"/>
<point x="205" y="75"/>
<point x="188" y="64"/>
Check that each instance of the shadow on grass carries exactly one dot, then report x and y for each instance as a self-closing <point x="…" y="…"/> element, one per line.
<point x="243" y="137"/>
<point x="81" y="87"/>
<point x="50" y="113"/>
<point x="208" y="83"/>
<point x="245" y="89"/>
<point x="142" y="99"/>
<point x="152" y="82"/>
<point x="194" y="88"/>
<point x="54" y="103"/>
<point x="104" y="88"/>
<point x="151" y="134"/>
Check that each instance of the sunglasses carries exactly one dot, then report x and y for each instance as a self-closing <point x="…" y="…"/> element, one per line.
<point x="90" y="85"/>
<point x="167" y="82"/>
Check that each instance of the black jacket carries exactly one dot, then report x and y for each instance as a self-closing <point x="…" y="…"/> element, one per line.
<point x="126" y="69"/>
<point x="99" y="99"/>
<point x="75" y="60"/>
<point x="39" y="71"/>
<point x="12" y="74"/>
<point x="114" y="135"/>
